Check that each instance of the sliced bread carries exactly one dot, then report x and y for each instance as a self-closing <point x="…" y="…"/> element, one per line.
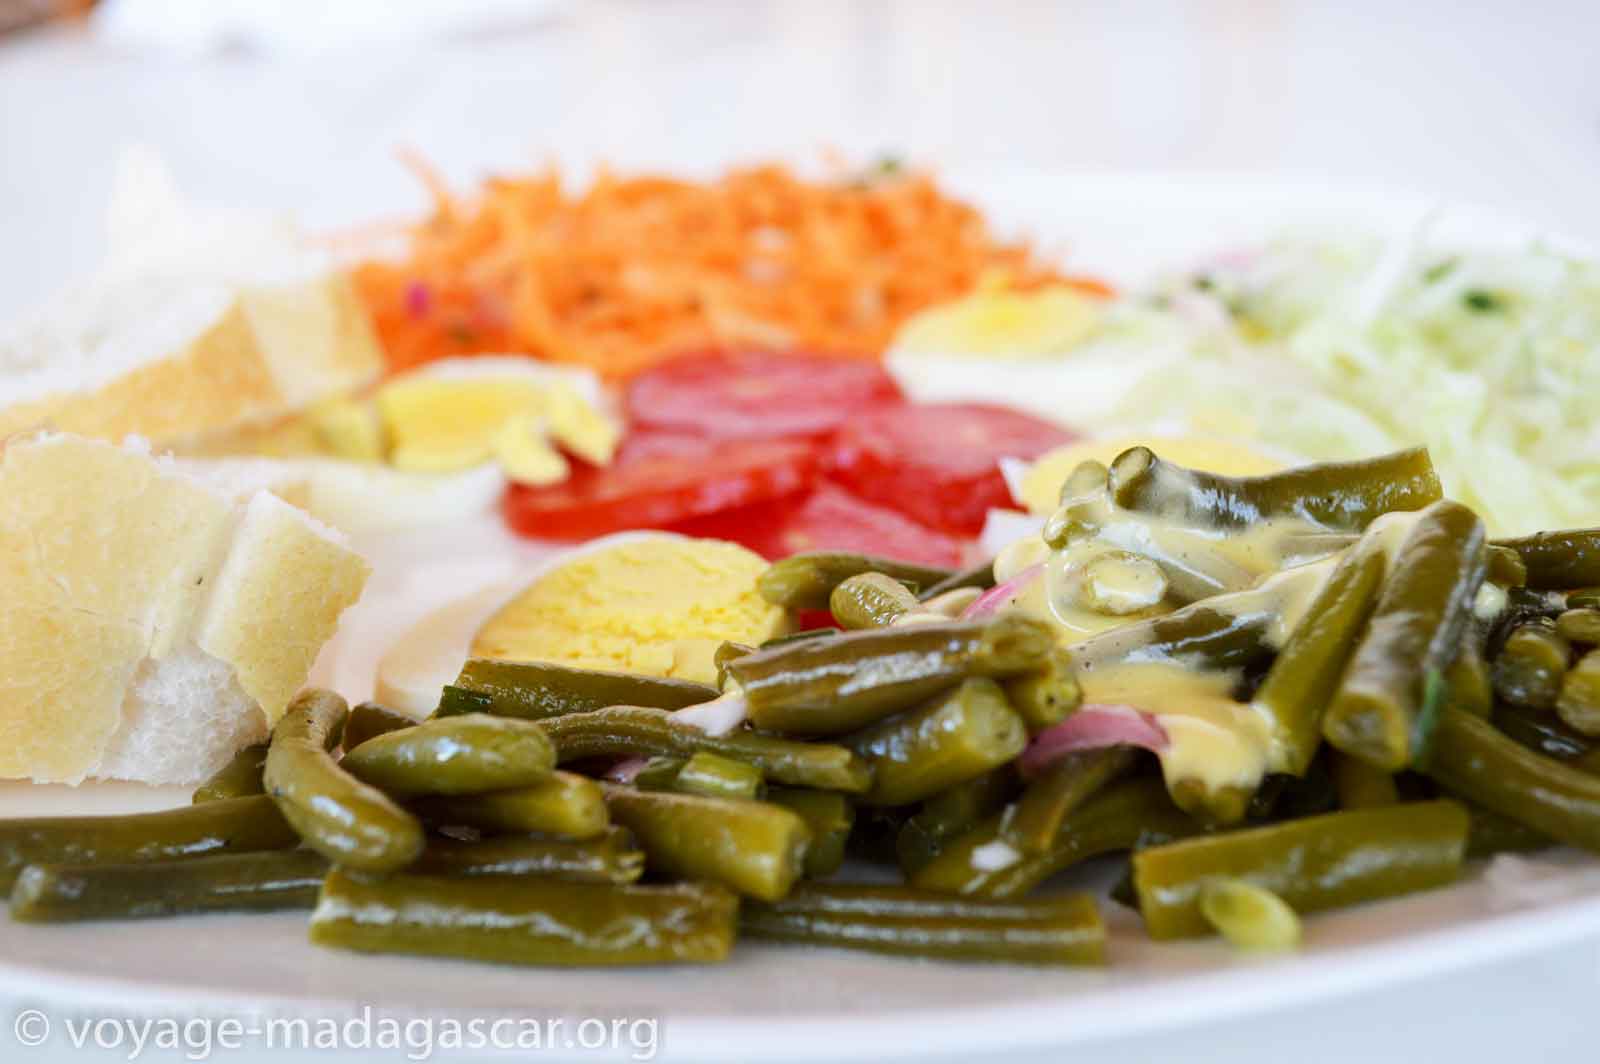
<point x="154" y="624"/>
<point x="198" y="324"/>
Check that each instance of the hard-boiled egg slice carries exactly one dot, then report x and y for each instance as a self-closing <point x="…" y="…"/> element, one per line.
<point x="999" y="322"/>
<point x="655" y="603"/>
<point x="454" y="414"/>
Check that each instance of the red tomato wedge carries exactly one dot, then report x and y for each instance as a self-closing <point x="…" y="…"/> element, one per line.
<point x="938" y="463"/>
<point x="658" y="480"/>
<point x="829" y="518"/>
<point x="757" y="393"/>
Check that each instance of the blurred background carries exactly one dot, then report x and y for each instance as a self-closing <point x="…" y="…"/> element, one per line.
<point x="302" y="107"/>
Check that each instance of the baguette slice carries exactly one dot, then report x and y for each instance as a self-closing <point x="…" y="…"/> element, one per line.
<point x="199" y="324"/>
<point x="215" y="365"/>
<point x="154" y="624"/>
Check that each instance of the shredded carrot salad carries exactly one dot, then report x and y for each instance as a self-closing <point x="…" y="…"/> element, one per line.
<point x="634" y="270"/>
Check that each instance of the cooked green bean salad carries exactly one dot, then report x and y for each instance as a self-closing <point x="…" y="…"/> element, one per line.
<point x="1263" y="696"/>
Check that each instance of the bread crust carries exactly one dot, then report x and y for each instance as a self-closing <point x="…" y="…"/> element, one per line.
<point x="272" y="352"/>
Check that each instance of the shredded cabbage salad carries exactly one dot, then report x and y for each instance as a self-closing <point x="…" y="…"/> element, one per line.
<point x="1340" y="350"/>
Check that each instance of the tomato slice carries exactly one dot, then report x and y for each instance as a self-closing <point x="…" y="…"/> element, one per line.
<point x="658" y="480"/>
<point x="829" y="518"/>
<point x="938" y="463"/>
<point x="757" y="393"/>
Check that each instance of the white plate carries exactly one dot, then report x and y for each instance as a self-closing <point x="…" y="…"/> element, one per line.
<point x="790" y="1004"/>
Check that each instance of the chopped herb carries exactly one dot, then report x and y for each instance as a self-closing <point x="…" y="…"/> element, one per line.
<point x="1204" y="283"/>
<point x="1482" y="301"/>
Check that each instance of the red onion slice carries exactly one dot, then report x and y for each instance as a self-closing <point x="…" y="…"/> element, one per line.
<point x="1093" y="727"/>
<point x="998" y="597"/>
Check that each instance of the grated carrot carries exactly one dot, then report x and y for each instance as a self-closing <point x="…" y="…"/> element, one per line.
<point x="634" y="270"/>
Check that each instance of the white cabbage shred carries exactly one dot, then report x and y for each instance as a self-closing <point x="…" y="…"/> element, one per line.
<point x="1329" y="350"/>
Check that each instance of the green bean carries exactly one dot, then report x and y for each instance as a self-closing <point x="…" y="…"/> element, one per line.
<point x="1360" y="785"/>
<point x="1580" y="626"/>
<point x="1505" y="567"/>
<point x="755" y="848"/>
<point x="1122" y="583"/>
<point x="1035" y="819"/>
<point x="1587" y="598"/>
<point x="455" y="701"/>
<point x="885" y="919"/>
<point x="632" y="731"/>
<point x="659" y="773"/>
<point x="1559" y="561"/>
<point x="472" y="754"/>
<point x="609" y="858"/>
<point x="1468" y="682"/>
<point x="227" y="825"/>
<point x="536" y="690"/>
<point x="955" y="737"/>
<point x="1528" y="670"/>
<point x="565" y="805"/>
<point x="1579" y="703"/>
<point x="238" y="882"/>
<point x="347" y="821"/>
<point x="1305" y="677"/>
<point x="239" y="778"/>
<point x="870" y="600"/>
<point x="1334" y="495"/>
<point x="951" y="813"/>
<point x="1248" y="916"/>
<point x="1077" y="519"/>
<point x="804" y="634"/>
<point x="1089" y="479"/>
<point x="1127" y="815"/>
<point x="980" y="576"/>
<point x="368" y="720"/>
<point x="1522" y="607"/>
<point x="829" y="815"/>
<point x="716" y="776"/>
<point x="805" y="581"/>
<point x="843" y="684"/>
<point x="1492" y="833"/>
<point x="525" y="920"/>
<point x="1476" y="761"/>
<point x="242" y="776"/>
<point x="726" y="652"/>
<point x="1320" y="862"/>
<point x="1046" y="695"/>
<point x="1225" y="632"/>
<point x="1380" y="713"/>
<point x="1541" y="732"/>
<point x="1299" y="548"/>
<point x="1588" y="761"/>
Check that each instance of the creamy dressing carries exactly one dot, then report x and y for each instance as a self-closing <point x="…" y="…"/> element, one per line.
<point x="1490" y="602"/>
<point x="1264" y="577"/>
<point x="1213" y="738"/>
